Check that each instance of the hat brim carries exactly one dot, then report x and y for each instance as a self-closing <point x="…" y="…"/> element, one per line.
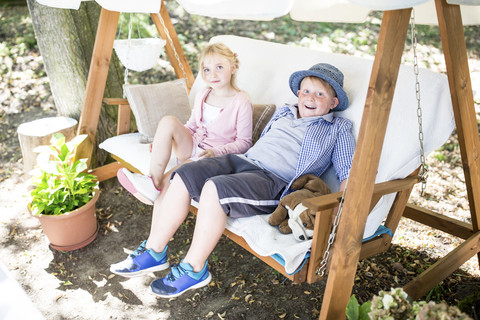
<point x="297" y="77"/>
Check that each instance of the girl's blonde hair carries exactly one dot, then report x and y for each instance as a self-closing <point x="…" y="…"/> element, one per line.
<point x="224" y="51"/>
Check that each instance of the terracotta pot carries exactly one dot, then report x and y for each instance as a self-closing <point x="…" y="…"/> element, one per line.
<point x="72" y="230"/>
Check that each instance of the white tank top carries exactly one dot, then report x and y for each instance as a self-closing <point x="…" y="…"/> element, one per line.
<point x="210" y="113"/>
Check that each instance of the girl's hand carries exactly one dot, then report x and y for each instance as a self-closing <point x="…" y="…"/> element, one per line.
<point x="150" y="147"/>
<point x="207" y="154"/>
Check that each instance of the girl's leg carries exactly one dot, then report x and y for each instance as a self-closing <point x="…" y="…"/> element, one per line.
<point x="165" y="182"/>
<point x="168" y="214"/>
<point x="171" y="133"/>
<point x="151" y="255"/>
<point x="211" y="221"/>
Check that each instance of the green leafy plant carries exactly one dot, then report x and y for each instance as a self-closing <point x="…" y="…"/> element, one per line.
<point x="395" y="304"/>
<point x="61" y="183"/>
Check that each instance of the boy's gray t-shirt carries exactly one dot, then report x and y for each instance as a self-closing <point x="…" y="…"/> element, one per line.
<point x="278" y="150"/>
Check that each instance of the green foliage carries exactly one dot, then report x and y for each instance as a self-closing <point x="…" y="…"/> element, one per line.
<point x="440" y="157"/>
<point x="395" y="304"/>
<point x="61" y="185"/>
<point x="355" y="311"/>
<point x="470" y="302"/>
<point x="142" y="26"/>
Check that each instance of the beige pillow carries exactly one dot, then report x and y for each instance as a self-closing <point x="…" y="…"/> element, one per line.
<point x="150" y="103"/>
<point x="261" y="115"/>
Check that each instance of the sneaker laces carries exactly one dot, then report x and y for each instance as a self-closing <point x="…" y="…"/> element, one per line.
<point x="176" y="272"/>
<point x="141" y="249"/>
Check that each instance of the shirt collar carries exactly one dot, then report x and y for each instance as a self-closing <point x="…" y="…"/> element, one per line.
<point x="327" y="117"/>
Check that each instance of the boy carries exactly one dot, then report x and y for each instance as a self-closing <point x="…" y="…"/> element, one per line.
<point x="299" y="139"/>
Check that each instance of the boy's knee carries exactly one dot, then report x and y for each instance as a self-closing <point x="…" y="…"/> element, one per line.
<point x="177" y="180"/>
<point x="209" y="191"/>
<point x="209" y="187"/>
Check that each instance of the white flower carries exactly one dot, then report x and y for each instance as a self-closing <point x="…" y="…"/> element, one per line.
<point x="388" y="301"/>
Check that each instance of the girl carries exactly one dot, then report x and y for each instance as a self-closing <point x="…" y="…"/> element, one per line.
<point x="221" y="123"/>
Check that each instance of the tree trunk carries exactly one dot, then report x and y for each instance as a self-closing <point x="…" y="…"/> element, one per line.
<point x="65" y="38"/>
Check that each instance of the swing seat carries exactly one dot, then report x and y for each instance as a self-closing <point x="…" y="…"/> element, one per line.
<point x="264" y="73"/>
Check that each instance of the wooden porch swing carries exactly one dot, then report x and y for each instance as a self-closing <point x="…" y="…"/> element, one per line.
<point x="348" y="247"/>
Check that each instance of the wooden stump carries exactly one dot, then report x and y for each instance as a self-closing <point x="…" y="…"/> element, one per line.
<point x="39" y="132"/>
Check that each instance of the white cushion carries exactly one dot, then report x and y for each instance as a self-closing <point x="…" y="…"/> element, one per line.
<point x="128" y="149"/>
<point x="150" y="103"/>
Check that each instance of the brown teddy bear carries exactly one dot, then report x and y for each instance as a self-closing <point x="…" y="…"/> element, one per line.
<point x="290" y="215"/>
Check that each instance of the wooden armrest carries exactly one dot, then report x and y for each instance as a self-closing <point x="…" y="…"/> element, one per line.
<point x="115" y="101"/>
<point x="331" y="200"/>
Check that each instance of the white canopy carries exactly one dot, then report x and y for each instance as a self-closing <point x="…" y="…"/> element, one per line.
<point x="353" y="11"/>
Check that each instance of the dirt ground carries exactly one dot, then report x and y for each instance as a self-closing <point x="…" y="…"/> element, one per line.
<point x="78" y="284"/>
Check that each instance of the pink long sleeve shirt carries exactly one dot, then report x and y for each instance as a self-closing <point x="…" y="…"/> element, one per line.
<point x="231" y="132"/>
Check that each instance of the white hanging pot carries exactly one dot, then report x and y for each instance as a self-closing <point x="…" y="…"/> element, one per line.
<point x="143" y="6"/>
<point x="63" y="4"/>
<point x="139" y="54"/>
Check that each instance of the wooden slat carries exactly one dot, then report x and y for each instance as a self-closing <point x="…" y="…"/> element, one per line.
<point x="375" y="246"/>
<point x="323" y="223"/>
<point x="456" y="60"/>
<point x="438" y="221"/>
<point x="123" y="124"/>
<point x="346" y="250"/>
<point x="97" y="77"/>
<point x="398" y="206"/>
<point x="176" y="43"/>
<point x="115" y="101"/>
<point x="419" y="286"/>
<point x="331" y="200"/>
<point x="107" y="171"/>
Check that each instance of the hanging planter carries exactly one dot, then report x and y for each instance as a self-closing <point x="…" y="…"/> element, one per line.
<point x="143" y="6"/>
<point x="63" y="4"/>
<point x="139" y="54"/>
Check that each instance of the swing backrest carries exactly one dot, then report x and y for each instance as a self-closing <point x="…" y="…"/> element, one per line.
<point x="264" y="71"/>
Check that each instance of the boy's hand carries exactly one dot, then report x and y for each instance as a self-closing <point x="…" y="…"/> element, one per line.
<point x="207" y="154"/>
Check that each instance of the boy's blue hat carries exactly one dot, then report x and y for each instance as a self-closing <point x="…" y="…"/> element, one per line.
<point x="326" y="72"/>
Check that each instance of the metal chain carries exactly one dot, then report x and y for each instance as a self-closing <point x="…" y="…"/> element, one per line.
<point x="323" y="265"/>
<point x="174" y="50"/>
<point x="423" y="167"/>
<point x="125" y="74"/>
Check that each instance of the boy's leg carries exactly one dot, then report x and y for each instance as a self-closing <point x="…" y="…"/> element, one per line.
<point x="193" y="271"/>
<point x="209" y="227"/>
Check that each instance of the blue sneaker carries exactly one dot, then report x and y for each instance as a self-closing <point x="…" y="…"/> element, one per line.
<point x="181" y="279"/>
<point x="142" y="261"/>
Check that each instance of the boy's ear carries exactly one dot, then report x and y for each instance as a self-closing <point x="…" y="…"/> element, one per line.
<point x="335" y="103"/>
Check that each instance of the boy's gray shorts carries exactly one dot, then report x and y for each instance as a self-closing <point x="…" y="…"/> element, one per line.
<point x="244" y="189"/>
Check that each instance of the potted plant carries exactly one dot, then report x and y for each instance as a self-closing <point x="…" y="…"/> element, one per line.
<point x="65" y="195"/>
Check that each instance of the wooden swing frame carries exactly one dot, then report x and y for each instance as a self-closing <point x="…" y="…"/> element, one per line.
<point x="348" y="248"/>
